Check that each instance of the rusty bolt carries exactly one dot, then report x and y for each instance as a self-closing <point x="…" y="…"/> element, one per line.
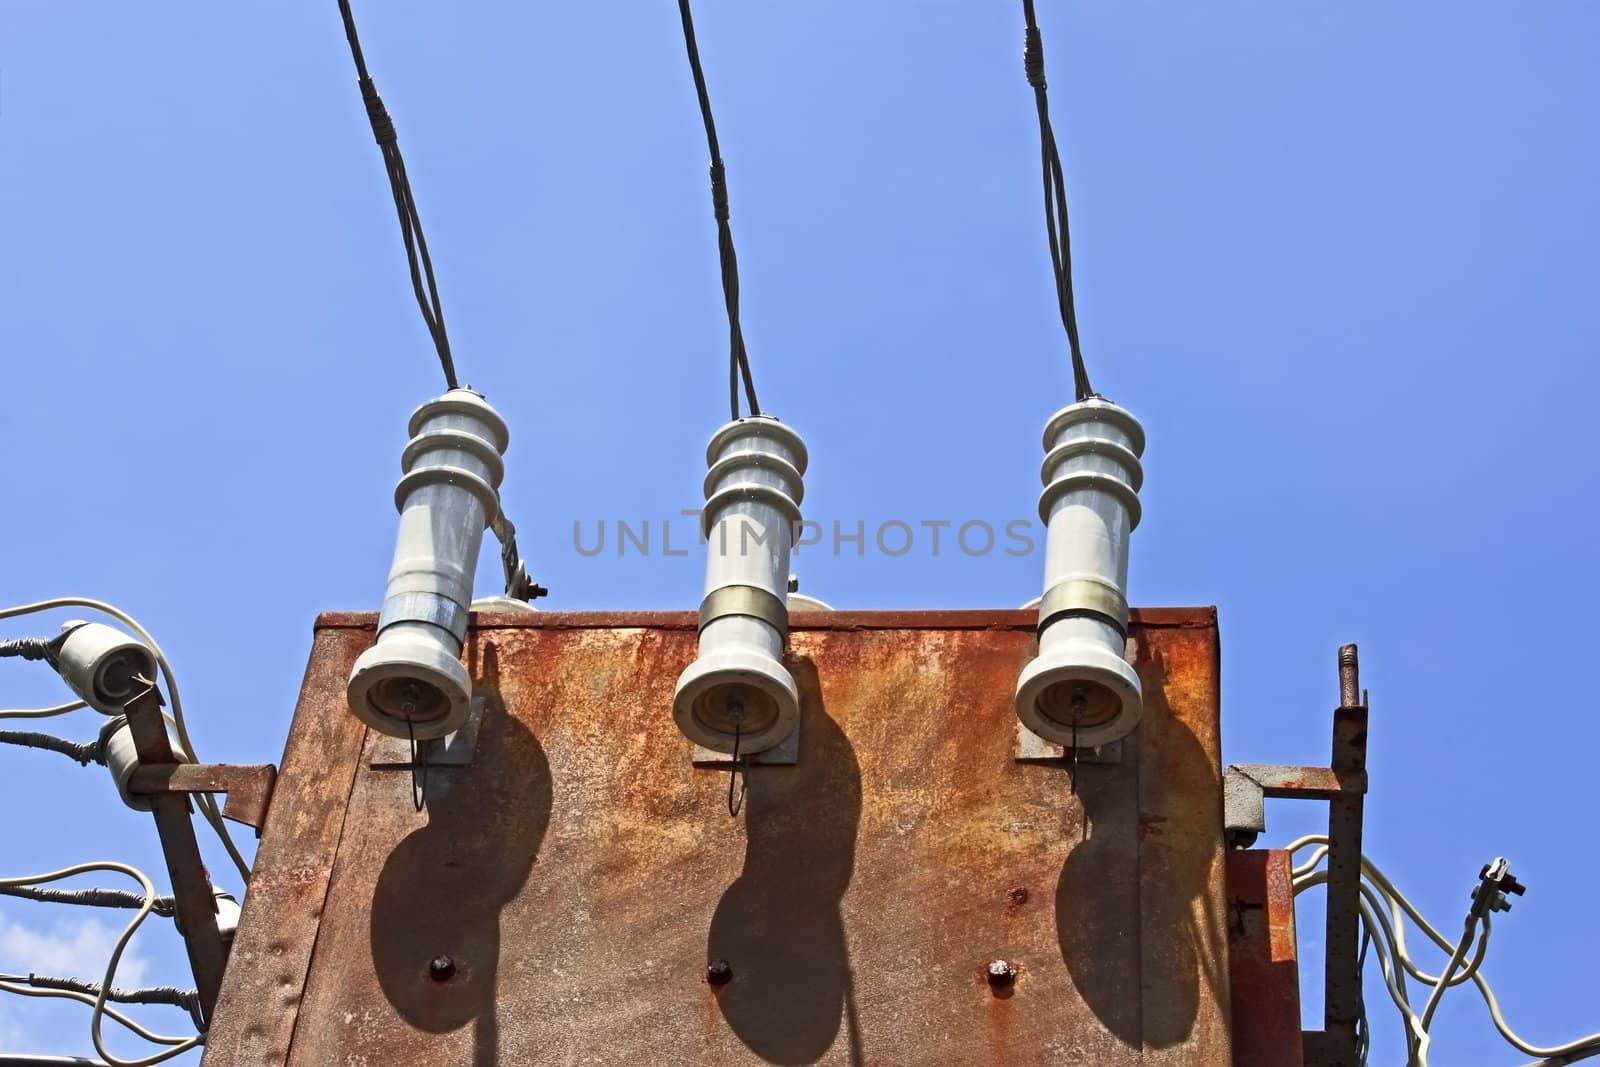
<point x="1019" y="895"/>
<point x="719" y="972"/>
<point x="1001" y="973"/>
<point x="441" y="968"/>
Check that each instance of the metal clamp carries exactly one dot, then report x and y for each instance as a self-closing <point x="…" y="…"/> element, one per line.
<point x="1084" y="596"/>
<point x="749" y="600"/>
<point x="428" y="607"/>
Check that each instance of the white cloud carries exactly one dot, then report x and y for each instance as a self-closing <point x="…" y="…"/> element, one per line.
<point x="77" y="949"/>
<point x="11" y="1032"/>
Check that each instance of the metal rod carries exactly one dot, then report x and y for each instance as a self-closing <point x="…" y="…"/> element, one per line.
<point x="1349" y="676"/>
<point x="196" y="916"/>
<point x="1342" y="974"/>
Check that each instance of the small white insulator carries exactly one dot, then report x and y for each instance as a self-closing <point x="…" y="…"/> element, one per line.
<point x="1081" y="690"/>
<point x="122" y="758"/>
<point x="100" y="662"/>
<point x="228" y="912"/>
<point x="411" y="683"/>
<point x="737" y="690"/>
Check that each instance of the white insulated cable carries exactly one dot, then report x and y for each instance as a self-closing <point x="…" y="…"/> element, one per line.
<point x="1398" y="903"/>
<point x="42" y="713"/>
<point x="84" y="998"/>
<point x="117" y="949"/>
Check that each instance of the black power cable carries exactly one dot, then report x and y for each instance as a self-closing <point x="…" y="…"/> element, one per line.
<point x="1055" y="199"/>
<point x="28" y="647"/>
<point x="86" y="752"/>
<point x="738" y="358"/>
<point x="94" y="898"/>
<point x="404" y="203"/>
<point x="187" y="999"/>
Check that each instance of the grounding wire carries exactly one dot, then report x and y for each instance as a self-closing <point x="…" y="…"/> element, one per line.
<point x="1055" y="199"/>
<point x="419" y="262"/>
<point x="738" y="357"/>
<point x="205" y="801"/>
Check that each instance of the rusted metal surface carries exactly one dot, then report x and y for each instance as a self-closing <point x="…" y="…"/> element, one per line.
<point x="260" y="1002"/>
<point x="596" y="904"/>
<point x="248" y="786"/>
<point x="1343" y="785"/>
<point x="1182" y="910"/>
<point x="195" y="907"/>
<point x="1263" y="968"/>
<point x="1345" y="812"/>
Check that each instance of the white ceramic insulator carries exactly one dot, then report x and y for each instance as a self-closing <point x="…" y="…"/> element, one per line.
<point x="100" y="663"/>
<point x="737" y="688"/>
<point x="411" y="683"/>
<point x="1081" y="688"/>
<point x="122" y="758"/>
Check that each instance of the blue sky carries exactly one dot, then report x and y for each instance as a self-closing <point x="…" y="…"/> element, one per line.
<point x="1337" y="258"/>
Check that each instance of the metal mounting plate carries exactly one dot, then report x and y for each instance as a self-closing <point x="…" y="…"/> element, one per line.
<point x="452" y="750"/>
<point x="785" y="753"/>
<point x="1031" y="748"/>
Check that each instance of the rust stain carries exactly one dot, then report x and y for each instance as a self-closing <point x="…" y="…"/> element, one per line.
<point x="1150" y="824"/>
<point x="1263" y="970"/>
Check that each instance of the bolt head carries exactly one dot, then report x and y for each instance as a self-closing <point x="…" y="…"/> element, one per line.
<point x="1001" y="973"/>
<point x="719" y="972"/>
<point x="441" y="968"/>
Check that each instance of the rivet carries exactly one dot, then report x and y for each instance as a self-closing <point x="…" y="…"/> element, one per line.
<point x="719" y="972"/>
<point x="441" y="968"/>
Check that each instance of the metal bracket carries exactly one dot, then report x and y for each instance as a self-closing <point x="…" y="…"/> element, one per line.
<point x="194" y="896"/>
<point x="452" y="750"/>
<point x="785" y="753"/>
<point x="1031" y="748"/>
<point x="1343" y="784"/>
<point x="1246" y="787"/>
<point x="248" y="786"/>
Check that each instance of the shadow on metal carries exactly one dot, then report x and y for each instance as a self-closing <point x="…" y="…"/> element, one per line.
<point x="436" y="911"/>
<point x="1101" y="897"/>
<point x="779" y="925"/>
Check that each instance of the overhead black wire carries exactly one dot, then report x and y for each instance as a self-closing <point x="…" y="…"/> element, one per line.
<point x="187" y="999"/>
<point x="28" y="647"/>
<point x="417" y="258"/>
<point x="738" y="358"/>
<point x="86" y="752"/>
<point x="1055" y="199"/>
<point x="94" y="897"/>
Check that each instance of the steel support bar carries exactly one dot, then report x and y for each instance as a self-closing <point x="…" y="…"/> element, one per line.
<point x="248" y="786"/>
<point x="1342" y="973"/>
<point x="1305" y="783"/>
<point x="196" y="916"/>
